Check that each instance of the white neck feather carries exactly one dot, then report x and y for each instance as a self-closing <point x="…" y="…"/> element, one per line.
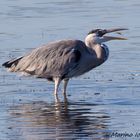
<point x="101" y="50"/>
<point x="89" y="40"/>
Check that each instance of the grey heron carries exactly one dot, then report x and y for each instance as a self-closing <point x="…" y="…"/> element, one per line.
<point x="61" y="60"/>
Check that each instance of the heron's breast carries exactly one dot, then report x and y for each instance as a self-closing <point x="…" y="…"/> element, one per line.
<point x="106" y="51"/>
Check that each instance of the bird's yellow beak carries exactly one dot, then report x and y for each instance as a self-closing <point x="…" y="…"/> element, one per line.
<point x="108" y="38"/>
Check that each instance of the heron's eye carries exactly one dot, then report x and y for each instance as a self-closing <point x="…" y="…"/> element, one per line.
<point x="100" y="33"/>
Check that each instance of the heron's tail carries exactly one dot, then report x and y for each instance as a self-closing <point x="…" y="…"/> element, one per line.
<point x="12" y="63"/>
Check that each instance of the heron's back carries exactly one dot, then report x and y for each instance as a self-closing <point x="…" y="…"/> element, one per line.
<point x="53" y="59"/>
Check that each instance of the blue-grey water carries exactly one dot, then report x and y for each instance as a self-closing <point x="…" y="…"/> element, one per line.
<point x="103" y="104"/>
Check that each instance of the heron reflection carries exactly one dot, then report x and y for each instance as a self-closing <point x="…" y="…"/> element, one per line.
<point x="61" y="120"/>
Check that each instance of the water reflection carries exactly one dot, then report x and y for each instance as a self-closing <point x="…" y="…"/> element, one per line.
<point x="60" y="120"/>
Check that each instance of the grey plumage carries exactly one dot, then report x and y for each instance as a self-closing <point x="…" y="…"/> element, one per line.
<point x="64" y="59"/>
<point x="55" y="59"/>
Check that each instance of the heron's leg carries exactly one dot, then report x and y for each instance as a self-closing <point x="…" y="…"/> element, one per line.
<point x="57" y="83"/>
<point x="65" y="87"/>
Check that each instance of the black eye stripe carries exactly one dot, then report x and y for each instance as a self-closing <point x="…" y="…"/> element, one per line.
<point x="99" y="32"/>
<point x="93" y="31"/>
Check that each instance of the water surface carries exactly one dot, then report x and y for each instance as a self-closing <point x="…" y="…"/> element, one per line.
<point x="100" y="103"/>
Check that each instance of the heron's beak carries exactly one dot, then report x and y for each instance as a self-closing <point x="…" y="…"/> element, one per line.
<point x="108" y="38"/>
<point x="114" y="30"/>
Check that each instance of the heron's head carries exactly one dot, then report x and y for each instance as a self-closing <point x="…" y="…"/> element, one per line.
<point x="98" y="36"/>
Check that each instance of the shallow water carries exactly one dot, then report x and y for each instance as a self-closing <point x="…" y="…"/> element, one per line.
<point x="102" y="104"/>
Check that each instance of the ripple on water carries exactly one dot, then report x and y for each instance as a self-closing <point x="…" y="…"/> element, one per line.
<point x="62" y="120"/>
<point x="103" y="101"/>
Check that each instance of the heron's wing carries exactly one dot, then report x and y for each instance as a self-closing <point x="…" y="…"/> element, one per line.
<point x="55" y="59"/>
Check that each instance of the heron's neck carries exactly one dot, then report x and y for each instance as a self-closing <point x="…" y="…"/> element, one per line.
<point x="100" y="50"/>
<point x="89" y="42"/>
